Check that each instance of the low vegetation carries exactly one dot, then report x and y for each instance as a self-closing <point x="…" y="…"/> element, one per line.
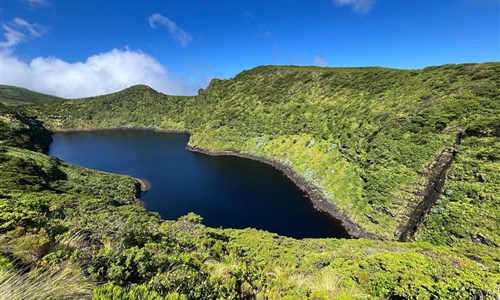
<point x="367" y="139"/>
<point x="11" y="96"/>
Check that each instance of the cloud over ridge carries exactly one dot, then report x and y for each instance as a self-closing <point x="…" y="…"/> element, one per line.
<point x="99" y="74"/>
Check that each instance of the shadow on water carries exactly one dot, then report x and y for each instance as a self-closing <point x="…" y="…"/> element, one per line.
<point x="230" y="192"/>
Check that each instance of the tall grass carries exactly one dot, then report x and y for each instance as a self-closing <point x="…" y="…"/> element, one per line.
<point x="44" y="283"/>
<point x="63" y="284"/>
<point x="327" y="284"/>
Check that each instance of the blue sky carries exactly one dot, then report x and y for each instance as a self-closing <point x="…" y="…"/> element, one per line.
<point x="76" y="48"/>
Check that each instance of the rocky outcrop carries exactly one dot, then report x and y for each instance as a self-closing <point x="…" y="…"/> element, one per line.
<point x="427" y="196"/>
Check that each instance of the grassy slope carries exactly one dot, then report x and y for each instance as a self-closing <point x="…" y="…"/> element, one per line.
<point x="138" y="106"/>
<point x="365" y="137"/>
<point x="11" y="95"/>
<point x="55" y="216"/>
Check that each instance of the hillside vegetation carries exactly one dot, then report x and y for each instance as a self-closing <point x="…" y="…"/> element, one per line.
<point x="68" y="232"/>
<point x="11" y="95"/>
<point x="399" y="154"/>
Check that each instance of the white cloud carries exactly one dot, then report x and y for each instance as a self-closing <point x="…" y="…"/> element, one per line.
<point x="320" y="61"/>
<point x="178" y="33"/>
<point x="38" y="3"/>
<point x="19" y="30"/>
<point x="99" y="74"/>
<point x="361" y="6"/>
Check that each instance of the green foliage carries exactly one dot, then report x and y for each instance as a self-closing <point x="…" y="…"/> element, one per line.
<point x="366" y="138"/>
<point x="113" y="292"/>
<point x="125" y="109"/>
<point x="468" y="208"/>
<point x="360" y="267"/>
<point x="19" y="129"/>
<point x="31" y="247"/>
<point x="11" y="95"/>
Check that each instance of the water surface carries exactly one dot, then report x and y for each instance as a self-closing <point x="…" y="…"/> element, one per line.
<point x="226" y="191"/>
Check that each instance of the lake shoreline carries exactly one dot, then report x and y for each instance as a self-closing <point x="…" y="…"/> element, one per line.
<point x="120" y="128"/>
<point x="145" y="185"/>
<point x="316" y="197"/>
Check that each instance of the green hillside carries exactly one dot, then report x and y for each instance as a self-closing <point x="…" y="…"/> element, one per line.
<point x="12" y="95"/>
<point x="397" y="155"/>
<point x="374" y="142"/>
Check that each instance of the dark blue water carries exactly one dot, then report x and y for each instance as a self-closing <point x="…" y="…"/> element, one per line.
<point x="226" y="191"/>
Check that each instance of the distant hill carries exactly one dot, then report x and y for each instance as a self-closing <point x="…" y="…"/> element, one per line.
<point x="12" y="95"/>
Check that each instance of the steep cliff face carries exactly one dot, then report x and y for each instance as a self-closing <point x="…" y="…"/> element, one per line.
<point x="434" y="178"/>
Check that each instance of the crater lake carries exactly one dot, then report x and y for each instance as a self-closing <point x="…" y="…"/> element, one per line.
<point x="227" y="191"/>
